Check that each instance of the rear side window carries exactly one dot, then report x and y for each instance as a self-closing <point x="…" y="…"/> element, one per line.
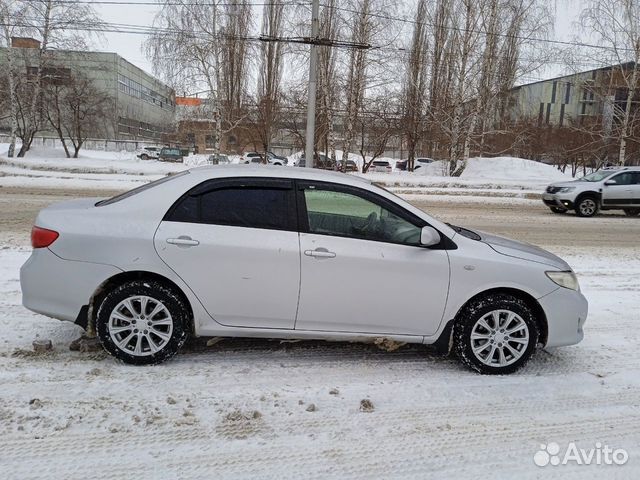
<point x="246" y="207"/>
<point x="261" y="204"/>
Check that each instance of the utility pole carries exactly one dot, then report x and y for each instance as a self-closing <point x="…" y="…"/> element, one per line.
<point x="313" y="70"/>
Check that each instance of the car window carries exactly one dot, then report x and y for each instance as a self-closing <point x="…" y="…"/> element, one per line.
<point x="626" y="178"/>
<point x="347" y="214"/>
<point x="245" y="204"/>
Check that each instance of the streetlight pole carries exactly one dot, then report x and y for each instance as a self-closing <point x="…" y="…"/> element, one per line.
<point x="313" y="72"/>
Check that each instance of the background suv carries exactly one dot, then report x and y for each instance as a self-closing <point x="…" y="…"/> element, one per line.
<point x="607" y="189"/>
<point x="271" y="158"/>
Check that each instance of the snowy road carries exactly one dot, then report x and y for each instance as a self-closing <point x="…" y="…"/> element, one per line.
<point x="239" y="409"/>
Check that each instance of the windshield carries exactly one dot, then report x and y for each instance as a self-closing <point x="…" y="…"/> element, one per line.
<point x="141" y="188"/>
<point x="597" y="176"/>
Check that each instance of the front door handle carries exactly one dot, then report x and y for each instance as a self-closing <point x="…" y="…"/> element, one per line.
<point x="319" y="253"/>
<point x="183" y="241"/>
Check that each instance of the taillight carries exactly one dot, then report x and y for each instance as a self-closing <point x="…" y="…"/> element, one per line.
<point x="42" y="237"/>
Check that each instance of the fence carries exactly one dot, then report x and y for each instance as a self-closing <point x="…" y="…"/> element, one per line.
<point x="89" y="144"/>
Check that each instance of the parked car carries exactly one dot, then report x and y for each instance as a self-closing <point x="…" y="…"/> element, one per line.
<point x="148" y="288"/>
<point x="170" y="154"/>
<point x="274" y="159"/>
<point x="218" y="159"/>
<point x="321" y="162"/>
<point x="606" y="189"/>
<point x="268" y="157"/>
<point x="419" y="162"/>
<point x="380" y="166"/>
<point x="350" y="166"/>
<point x="149" y="153"/>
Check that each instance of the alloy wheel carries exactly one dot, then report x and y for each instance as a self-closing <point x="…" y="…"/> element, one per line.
<point x="140" y="325"/>
<point x="588" y="207"/>
<point x="499" y="338"/>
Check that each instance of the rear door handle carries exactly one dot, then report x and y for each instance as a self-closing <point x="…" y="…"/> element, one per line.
<point x="183" y="241"/>
<point x="319" y="253"/>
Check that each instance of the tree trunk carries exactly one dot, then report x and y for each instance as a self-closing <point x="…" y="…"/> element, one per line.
<point x="624" y="129"/>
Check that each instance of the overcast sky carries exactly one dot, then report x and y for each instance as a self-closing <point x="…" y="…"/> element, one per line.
<point x="129" y="46"/>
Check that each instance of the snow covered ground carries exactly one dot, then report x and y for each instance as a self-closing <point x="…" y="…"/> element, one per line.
<point x="243" y="408"/>
<point x="488" y="177"/>
<point x="240" y="408"/>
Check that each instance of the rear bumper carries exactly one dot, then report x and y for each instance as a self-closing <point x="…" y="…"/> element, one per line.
<point x="566" y="312"/>
<point x="59" y="288"/>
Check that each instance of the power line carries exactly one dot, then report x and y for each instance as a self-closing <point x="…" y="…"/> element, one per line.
<point x="465" y="30"/>
<point x="170" y="3"/>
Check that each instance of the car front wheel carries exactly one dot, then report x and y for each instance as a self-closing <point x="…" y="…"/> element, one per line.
<point x="587" y="207"/>
<point x="142" y="322"/>
<point x="495" y="334"/>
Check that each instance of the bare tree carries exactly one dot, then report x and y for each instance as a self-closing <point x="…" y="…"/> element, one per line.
<point x="377" y="128"/>
<point x="12" y="19"/>
<point x="415" y="84"/>
<point x="56" y="24"/>
<point x="270" y="74"/>
<point x="356" y="80"/>
<point x="199" y="45"/>
<point x="327" y="78"/>
<point x="75" y="108"/>
<point x="617" y="24"/>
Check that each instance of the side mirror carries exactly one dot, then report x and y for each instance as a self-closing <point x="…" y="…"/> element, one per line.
<point x="429" y="236"/>
<point x="610" y="182"/>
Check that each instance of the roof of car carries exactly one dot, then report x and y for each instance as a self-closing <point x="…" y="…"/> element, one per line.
<point x="235" y="170"/>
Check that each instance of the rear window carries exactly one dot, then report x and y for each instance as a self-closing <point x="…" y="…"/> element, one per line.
<point x="379" y="163"/>
<point x="139" y="189"/>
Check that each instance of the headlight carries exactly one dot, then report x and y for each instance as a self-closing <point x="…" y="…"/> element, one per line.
<point x="564" y="279"/>
<point x="566" y="189"/>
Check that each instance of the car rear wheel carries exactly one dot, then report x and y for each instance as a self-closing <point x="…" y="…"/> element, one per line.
<point x="587" y="207"/>
<point x="496" y="334"/>
<point x="558" y="210"/>
<point x="144" y="156"/>
<point x="142" y="322"/>
<point x="632" y="212"/>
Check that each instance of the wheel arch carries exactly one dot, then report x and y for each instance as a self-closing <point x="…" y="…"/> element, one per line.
<point x="540" y="315"/>
<point x="120" y="278"/>
<point x="588" y="193"/>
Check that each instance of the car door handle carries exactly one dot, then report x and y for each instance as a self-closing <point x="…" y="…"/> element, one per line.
<point x="183" y="241"/>
<point x="319" y="253"/>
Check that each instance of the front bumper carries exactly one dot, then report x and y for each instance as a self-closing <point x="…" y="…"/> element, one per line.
<point x="558" y="201"/>
<point x="566" y="312"/>
<point x="59" y="288"/>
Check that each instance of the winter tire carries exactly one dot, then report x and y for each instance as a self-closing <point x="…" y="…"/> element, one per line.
<point x="632" y="212"/>
<point x="558" y="210"/>
<point x="495" y="334"/>
<point x="142" y="322"/>
<point x="587" y="206"/>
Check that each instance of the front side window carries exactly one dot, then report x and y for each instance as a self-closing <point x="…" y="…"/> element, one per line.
<point x="249" y="205"/>
<point x="348" y="214"/>
<point x="626" y="178"/>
